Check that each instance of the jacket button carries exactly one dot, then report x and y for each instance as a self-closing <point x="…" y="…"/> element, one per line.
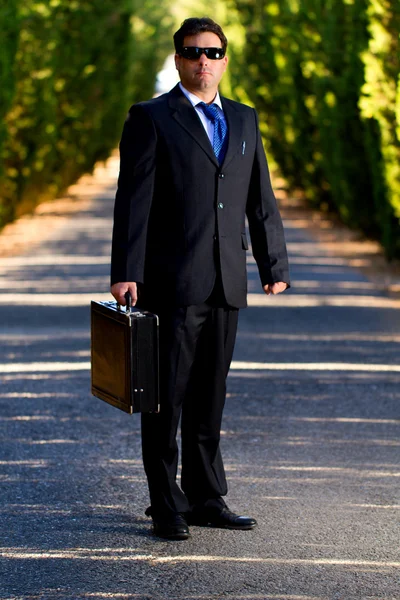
<point x="221" y="175"/>
<point x="220" y="205"/>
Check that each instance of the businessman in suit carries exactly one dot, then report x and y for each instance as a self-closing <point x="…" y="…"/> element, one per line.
<point x="192" y="167"/>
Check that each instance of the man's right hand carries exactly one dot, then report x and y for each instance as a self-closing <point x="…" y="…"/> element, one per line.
<point x="119" y="290"/>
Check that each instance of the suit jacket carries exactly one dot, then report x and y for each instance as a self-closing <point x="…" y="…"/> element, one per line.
<point x="179" y="215"/>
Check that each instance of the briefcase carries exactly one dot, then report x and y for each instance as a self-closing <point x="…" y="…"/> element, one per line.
<point x="124" y="357"/>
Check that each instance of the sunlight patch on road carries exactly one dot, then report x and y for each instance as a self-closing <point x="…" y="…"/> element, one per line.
<point x="38" y="367"/>
<point x="32" y="442"/>
<point x="199" y="596"/>
<point x="126" y="554"/>
<point x="333" y="337"/>
<point x="36" y="395"/>
<point x="381" y="506"/>
<point x="43" y="367"/>
<point x="354" y="472"/>
<point x="316" y="300"/>
<point x="55" y="284"/>
<point x="253" y="300"/>
<point x="28" y="418"/>
<point x="26" y="463"/>
<point x="322" y="260"/>
<point x="53" y="300"/>
<point x="125" y="461"/>
<point x="258" y="366"/>
<point x="337" y="285"/>
<point x="53" y="260"/>
<point x="346" y="420"/>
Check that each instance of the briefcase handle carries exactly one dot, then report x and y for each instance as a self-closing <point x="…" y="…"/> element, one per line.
<point x="128" y="299"/>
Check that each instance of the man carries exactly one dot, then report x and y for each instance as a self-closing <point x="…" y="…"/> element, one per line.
<point x="192" y="167"/>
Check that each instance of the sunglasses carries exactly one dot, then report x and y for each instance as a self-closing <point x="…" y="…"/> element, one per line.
<point x="194" y="53"/>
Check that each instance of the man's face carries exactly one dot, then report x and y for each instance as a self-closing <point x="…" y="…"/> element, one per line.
<point x="201" y="74"/>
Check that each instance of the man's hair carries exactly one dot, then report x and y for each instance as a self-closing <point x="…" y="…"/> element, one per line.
<point x="196" y="25"/>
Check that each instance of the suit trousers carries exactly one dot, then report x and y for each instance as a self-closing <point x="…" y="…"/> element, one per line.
<point x="196" y="348"/>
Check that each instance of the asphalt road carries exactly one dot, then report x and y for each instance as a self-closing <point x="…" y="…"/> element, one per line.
<point x="310" y="436"/>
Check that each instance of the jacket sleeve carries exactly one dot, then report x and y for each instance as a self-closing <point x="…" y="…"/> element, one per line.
<point x="134" y="196"/>
<point x="265" y="223"/>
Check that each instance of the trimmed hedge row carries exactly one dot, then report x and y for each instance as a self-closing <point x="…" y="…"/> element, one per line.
<point x="69" y="71"/>
<point x="324" y="75"/>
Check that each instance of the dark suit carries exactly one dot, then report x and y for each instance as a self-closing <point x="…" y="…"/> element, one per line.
<point x="179" y="231"/>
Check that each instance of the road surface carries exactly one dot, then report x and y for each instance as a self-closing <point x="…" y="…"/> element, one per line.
<point x="310" y="433"/>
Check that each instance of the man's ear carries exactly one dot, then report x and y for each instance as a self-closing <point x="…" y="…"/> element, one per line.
<point x="177" y="61"/>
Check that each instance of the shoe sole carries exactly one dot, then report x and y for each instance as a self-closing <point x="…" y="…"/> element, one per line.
<point x="247" y="528"/>
<point x="216" y="526"/>
<point x="179" y="535"/>
<point x="173" y="538"/>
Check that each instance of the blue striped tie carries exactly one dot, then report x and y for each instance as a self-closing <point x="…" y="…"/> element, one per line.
<point x="220" y="140"/>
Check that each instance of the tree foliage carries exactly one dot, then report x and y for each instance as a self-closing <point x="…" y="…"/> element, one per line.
<point x="380" y="108"/>
<point x="69" y="71"/>
<point x="324" y="76"/>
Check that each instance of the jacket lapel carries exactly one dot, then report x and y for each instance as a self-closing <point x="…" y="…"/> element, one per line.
<point x="235" y="130"/>
<point x="186" y="116"/>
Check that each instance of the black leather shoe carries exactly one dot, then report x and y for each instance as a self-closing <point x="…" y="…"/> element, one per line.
<point x="171" y="527"/>
<point x="224" y="519"/>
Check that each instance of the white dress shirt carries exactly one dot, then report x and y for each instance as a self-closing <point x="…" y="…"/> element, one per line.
<point x="207" y="124"/>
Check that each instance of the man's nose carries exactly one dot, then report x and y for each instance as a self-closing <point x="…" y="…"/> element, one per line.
<point x="203" y="59"/>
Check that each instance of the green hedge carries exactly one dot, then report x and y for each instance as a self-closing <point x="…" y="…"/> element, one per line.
<point x="380" y="109"/>
<point x="8" y="48"/>
<point x="323" y="75"/>
<point x="70" y="70"/>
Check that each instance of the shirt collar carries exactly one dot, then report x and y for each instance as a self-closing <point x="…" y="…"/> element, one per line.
<point x="194" y="100"/>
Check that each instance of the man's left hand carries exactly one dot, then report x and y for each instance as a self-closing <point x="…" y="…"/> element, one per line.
<point x="275" y="288"/>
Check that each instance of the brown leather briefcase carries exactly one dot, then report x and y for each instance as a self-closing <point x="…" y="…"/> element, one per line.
<point x="124" y="357"/>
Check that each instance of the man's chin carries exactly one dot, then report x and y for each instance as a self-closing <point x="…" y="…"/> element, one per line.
<point x="203" y="84"/>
